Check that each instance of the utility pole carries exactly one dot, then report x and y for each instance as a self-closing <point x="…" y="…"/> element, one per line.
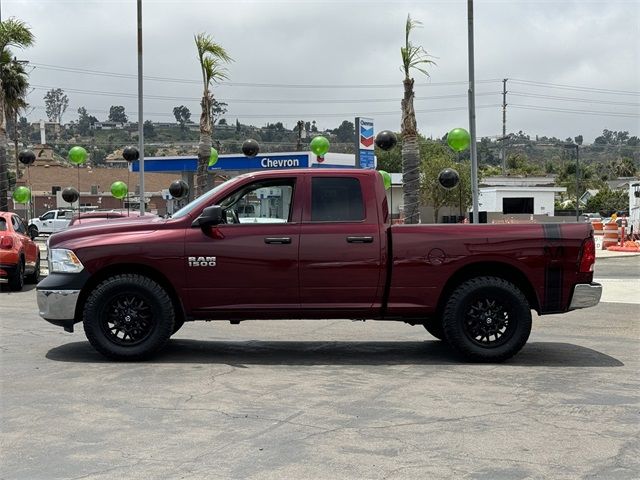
<point x="140" y="110"/>
<point x="472" y="114"/>
<point x="504" y="125"/>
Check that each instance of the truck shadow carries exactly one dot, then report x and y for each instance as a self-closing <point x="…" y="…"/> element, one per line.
<point x="534" y="354"/>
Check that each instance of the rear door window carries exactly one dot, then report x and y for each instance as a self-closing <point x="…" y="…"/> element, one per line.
<point x="3" y="225"/>
<point x="336" y="200"/>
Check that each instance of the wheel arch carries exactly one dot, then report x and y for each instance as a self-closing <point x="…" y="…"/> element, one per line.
<point x="132" y="268"/>
<point x="489" y="269"/>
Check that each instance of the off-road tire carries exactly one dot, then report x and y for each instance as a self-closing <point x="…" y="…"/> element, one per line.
<point x="481" y="304"/>
<point x="33" y="231"/>
<point x="134" y="290"/>
<point x="33" y="278"/>
<point x="16" y="281"/>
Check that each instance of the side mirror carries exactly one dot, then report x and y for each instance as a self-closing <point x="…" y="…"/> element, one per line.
<point x="210" y="216"/>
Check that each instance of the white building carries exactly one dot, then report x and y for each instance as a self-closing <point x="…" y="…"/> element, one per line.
<point x="519" y="195"/>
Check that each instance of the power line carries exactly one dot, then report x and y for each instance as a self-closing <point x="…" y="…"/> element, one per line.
<point x="309" y="115"/>
<point x="567" y="110"/>
<point x="572" y="99"/>
<point x="252" y="101"/>
<point x="575" y="87"/>
<point x="45" y="66"/>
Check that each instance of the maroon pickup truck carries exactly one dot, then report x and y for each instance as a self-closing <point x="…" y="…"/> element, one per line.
<point x="312" y="244"/>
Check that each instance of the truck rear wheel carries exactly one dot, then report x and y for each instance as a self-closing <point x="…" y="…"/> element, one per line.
<point x="128" y="317"/>
<point x="487" y="319"/>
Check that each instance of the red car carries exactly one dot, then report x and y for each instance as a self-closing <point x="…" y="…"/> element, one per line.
<point x="19" y="255"/>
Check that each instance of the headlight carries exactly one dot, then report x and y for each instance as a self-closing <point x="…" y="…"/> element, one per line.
<point x="64" y="261"/>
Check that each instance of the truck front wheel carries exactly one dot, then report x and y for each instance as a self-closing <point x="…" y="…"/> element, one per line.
<point x="487" y="319"/>
<point x="128" y="317"/>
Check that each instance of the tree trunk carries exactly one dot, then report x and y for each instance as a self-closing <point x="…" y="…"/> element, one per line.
<point x="410" y="157"/>
<point x="4" y="178"/>
<point x="204" y="147"/>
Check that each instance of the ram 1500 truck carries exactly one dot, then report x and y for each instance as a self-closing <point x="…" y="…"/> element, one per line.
<point x="324" y="248"/>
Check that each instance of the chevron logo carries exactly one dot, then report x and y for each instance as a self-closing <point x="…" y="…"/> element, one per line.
<point x="366" y="136"/>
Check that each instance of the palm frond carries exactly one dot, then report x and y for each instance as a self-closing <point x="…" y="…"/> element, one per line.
<point x="15" y="33"/>
<point x="413" y="56"/>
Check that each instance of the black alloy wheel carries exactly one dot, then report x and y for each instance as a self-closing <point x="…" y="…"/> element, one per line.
<point x="487" y="323"/>
<point x="128" y="319"/>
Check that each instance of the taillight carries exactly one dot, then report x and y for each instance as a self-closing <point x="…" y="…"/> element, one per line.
<point x="588" y="258"/>
<point x="6" y="242"/>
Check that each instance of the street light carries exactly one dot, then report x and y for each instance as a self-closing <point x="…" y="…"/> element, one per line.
<point x="577" y="147"/>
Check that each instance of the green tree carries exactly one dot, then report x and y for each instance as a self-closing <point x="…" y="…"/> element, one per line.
<point x="85" y="121"/>
<point x="13" y="33"/>
<point x="117" y="114"/>
<point x="218" y="109"/>
<point x="183" y="116"/>
<point x="148" y="129"/>
<point x="212" y="58"/>
<point x="56" y="103"/>
<point x="345" y="132"/>
<point x="435" y="157"/>
<point x="15" y="85"/>
<point x="608" y="201"/>
<point x="414" y="57"/>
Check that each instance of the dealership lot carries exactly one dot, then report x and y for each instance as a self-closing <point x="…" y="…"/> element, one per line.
<point x="326" y="399"/>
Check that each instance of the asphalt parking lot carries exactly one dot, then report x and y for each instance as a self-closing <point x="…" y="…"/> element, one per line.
<point x="326" y="400"/>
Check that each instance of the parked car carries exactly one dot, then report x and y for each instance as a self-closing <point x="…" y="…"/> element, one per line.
<point x="324" y="249"/>
<point x="50" y="222"/>
<point x="103" y="215"/>
<point x="19" y="254"/>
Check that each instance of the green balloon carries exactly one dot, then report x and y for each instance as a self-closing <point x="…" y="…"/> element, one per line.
<point x="77" y="155"/>
<point x="386" y="179"/>
<point x="213" y="158"/>
<point x="119" y="189"/>
<point x="21" y="195"/>
<point x="458" y="139"/>
<point x="319" y="146"/>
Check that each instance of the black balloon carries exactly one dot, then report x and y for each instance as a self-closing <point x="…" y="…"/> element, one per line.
<point x="386" y="140"/>
<point x="130" y="154"/>
<point x="448" y="178"/>
<point x="179" y="189"/>
<point x="27" y="157"/>
<point x="70" y="195"/>
<point x="250" y="148"/>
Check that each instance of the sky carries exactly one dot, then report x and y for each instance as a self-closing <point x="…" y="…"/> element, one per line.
<point x="573" y="68"/>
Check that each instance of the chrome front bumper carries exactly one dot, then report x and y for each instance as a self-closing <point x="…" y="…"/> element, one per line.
<point x="57" y="304"/>
<point x="585" y="295"/>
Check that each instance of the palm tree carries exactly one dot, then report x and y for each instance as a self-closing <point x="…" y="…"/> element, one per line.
<point x="413" y="58"/>
<point x="211" y="57"/>
<point x="15" y="84"/>
<point x="13" y="33"/>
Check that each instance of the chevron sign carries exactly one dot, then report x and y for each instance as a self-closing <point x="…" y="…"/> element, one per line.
<point x="364" y="143"/>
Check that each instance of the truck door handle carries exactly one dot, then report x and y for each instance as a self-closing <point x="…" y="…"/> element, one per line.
<point x="360" y="239"/>
<point x="280" y="240"/>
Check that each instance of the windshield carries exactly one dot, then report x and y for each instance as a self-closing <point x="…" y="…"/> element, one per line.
<point x="204" y="199"/>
